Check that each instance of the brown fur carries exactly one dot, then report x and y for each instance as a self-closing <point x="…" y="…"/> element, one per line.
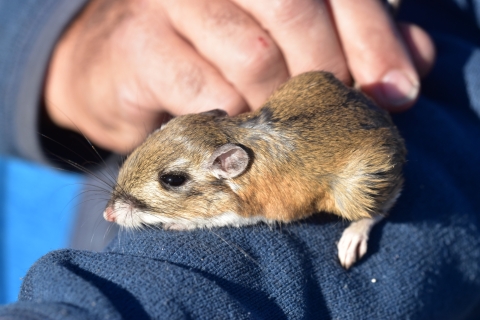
<point x="315" y="145"/>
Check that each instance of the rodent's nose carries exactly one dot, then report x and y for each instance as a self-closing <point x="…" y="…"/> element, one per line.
<point x="109" y="214"/>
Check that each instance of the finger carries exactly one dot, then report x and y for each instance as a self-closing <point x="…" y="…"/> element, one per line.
<point x="304" y="31"/>
<point x="176" y="78"/>
<point x="127" y="135"/>
<point x="233" y="42"/>
<point x="420" y="46"/>
<point x="376" y="56"/>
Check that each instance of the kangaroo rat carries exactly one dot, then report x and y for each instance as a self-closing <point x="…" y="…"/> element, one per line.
<point x="315" y="146"/>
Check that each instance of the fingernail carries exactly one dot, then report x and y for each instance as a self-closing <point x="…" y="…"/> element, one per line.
<point x="398" y="88"/>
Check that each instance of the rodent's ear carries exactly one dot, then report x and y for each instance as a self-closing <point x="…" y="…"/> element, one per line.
<point x="215" y="113"/>
<point x="228" y="161"/>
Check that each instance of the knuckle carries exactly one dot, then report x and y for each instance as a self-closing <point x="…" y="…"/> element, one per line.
<point x="287" y="11"/>
<point x="189" y="79"/>
<point x="283" y="8"/>
<point x="258" y="59"/>
<point x="223" y="17"/>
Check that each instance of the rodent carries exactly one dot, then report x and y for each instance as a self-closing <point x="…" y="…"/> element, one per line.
<point x="315" y="146"/>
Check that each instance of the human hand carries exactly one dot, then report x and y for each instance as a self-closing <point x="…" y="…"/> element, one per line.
<point x="124" y="66"/>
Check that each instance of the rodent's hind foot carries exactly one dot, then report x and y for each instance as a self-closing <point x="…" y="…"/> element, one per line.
<point x="353" y="243"/>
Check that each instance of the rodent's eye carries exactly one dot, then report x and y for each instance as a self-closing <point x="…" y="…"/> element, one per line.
<point x="172" y="180"/>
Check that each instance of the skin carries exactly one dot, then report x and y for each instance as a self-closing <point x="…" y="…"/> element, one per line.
<point x="124" y="67"/>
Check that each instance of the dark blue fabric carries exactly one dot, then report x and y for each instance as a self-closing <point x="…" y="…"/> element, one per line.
<point x="423" y="261"/>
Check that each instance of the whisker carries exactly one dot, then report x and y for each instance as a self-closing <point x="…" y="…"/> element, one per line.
<point x="85" y="170"/>
<point x="238" y="248"/>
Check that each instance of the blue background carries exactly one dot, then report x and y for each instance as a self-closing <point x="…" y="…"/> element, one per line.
<point x="37" y="206"/>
